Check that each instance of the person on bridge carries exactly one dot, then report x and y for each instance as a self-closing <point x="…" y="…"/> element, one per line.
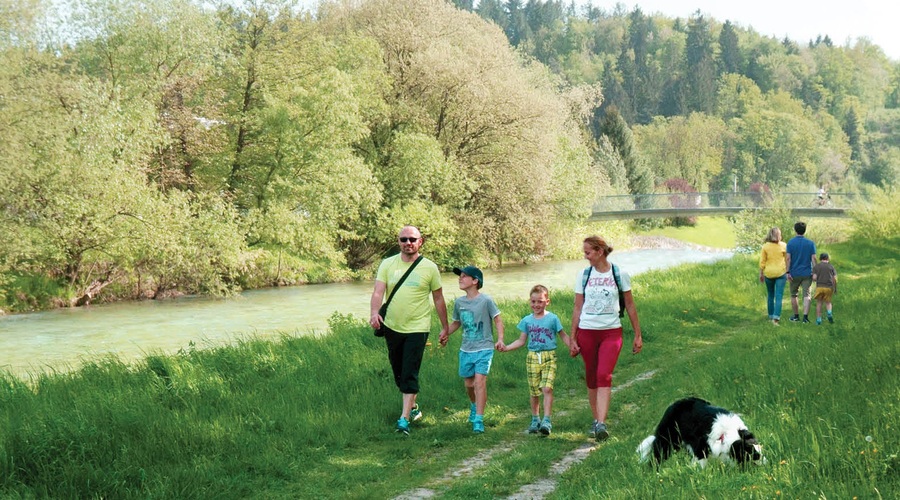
<point x="408" y="320"/>
<point x="773" y="272"/>
<point x="602" y="291"/>
<point x="801" y="257"/>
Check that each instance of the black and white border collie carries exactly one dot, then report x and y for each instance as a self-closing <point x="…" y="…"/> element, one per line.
<point x="706" y="431"/>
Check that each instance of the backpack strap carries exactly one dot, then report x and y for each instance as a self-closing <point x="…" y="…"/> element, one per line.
<point x="618" y="280"/>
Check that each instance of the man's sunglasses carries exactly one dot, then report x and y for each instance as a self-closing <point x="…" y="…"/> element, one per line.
<point x="404" y="239"/>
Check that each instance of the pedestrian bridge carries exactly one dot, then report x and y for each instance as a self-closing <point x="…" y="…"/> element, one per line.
<point x="649" y="206"/>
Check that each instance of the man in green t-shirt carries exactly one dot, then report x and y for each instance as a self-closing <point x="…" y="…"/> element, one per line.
<point x="408" y="318"/>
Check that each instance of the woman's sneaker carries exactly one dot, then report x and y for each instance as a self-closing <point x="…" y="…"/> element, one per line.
<point x="415" y="414"/>
<point x="535" y="426"/>
<point x="478" y="425"/>
<point x="599" y="431"/>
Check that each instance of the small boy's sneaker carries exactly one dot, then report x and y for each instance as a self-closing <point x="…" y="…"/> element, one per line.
<point x="546" y="427"/>
<point x="403" y="426"/>
<point x="805" y="319"/>
<point x="478" y="425"/>
<point x="415" y="414"/>
<point x="535" y="426"/>
<point x="830" y="318"/>
<point x="600" y="432"/>
<point x="796" y="318"/>
<point x="472" y="412"/>
<point x="818" y="321"/>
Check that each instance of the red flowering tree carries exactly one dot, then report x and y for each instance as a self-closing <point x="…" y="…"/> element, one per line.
<point x="760" y="194"/>
<point x="681" y="195"/>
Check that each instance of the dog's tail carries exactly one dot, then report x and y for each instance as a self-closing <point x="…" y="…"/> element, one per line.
<point x="646" y="448"/>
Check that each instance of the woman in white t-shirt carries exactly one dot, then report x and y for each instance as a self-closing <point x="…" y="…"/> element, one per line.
<point x="597" y="328"/>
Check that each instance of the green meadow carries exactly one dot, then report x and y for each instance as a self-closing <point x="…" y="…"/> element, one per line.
<point x="313" y="417"/>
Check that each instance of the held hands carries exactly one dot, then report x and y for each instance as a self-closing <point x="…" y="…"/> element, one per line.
<point x="574" y="349"/>
<point x="444" y="337"/>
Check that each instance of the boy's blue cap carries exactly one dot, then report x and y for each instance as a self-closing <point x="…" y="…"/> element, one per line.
<point x="472" y="272"/>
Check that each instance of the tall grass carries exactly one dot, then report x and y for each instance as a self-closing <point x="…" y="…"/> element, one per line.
<point x="312" y="417"/>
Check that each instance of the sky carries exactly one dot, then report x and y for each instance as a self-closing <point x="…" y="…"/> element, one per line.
<point x="799" y="20"/>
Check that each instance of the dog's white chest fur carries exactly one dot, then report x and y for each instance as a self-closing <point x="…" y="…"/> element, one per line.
<point x="723" y="434"/>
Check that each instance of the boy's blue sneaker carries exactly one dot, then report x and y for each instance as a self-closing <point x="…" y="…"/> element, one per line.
<point x="472" y="412"/>
<point x="535" y="426"/>
<point x="478" y="425"/>
<point x="403" y="426"/>
<point x="818" y="321"/>
<point x="546" y="427"/>
<point x="415" y="414"/>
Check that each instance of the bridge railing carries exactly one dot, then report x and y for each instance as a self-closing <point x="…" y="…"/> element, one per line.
<point x="724" y="199"/>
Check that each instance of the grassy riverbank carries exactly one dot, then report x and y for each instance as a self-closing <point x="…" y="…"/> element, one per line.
<point x="313" y="417"/>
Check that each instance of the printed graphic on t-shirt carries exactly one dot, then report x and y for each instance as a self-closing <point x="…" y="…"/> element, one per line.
<point x="601" y="296"/>
<point x="411" y="280"/>
<point x="539" y="335"/>
<point x="471" y="329"/>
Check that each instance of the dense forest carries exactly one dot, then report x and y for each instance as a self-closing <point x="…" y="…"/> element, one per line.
<point x="161" y="147"/>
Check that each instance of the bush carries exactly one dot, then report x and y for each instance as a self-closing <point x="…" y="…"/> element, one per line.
<point x="880" y="218"/>
<point x="752" y="225"/>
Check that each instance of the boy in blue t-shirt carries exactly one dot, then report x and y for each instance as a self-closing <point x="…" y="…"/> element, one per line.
<point x="475" y="313"/>
<point x="540" y="328"/>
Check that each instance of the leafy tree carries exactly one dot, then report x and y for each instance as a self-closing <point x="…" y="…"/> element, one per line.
<point x="690" y="149"/>
<point x="614" y="127"/>
<point x="493" y="10"/>
<point x="700" y="57"/>
<point x="497" y="119"/>
<point x="731" y="60"/>
<point x="782" y="147"/>
<point x="517" y="29"/>
<point x="853" y="128"/>
<point x="737" y="96"/>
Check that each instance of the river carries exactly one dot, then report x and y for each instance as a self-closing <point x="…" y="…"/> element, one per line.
<point x="61" y="339"/>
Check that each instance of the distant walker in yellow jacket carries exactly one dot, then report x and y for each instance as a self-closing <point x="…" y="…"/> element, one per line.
<point x="773" y="272"/>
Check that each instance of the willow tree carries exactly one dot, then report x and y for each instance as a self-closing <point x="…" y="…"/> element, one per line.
<point x="497" y="118"/>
